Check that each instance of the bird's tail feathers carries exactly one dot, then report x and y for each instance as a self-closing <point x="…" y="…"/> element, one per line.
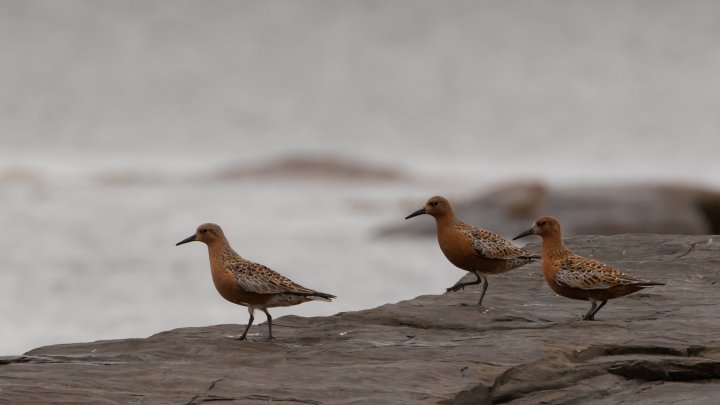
<point x="319" y="298"/>
<point x="314" y="295"/>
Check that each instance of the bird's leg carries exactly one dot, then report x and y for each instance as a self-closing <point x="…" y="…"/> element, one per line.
<point x="460" y="286"/>
<point x="244" y="335"/>
<point x="269" y="320"/>
<point x="485" y="286"/>
<point x="591" y="312"/>
<point x="592" y="316"/>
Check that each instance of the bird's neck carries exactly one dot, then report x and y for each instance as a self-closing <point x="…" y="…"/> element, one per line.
<point x="445" y="220"/>
<point x="218" y="249"/>
<point x="553" y="246"/>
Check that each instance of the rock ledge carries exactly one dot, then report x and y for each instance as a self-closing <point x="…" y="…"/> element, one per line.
<point x="527" y="346"/>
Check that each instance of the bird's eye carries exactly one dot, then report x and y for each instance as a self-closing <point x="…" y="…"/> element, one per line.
<point x="434" y="203"/>
<point x="203" y="230"/>
<point x="541" y="223"/>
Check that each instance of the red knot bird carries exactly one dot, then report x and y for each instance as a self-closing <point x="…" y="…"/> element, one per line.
<point x="577" y="277"/>
<point x="246" y="283"/>
<point x="472" y="249"/>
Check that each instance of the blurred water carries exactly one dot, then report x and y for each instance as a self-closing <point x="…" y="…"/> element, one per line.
<point x="115" y="115"/>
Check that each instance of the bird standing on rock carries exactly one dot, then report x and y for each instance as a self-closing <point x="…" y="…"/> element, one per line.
<point x="246" y="283"/>
<point x="470" y="248"/>
<point x="577" y="277"/>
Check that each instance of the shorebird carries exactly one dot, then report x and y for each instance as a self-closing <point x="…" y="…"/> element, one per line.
<point x="246" y="283"/>
<point x="470" y="248"/>
<point x="577" y="277"/>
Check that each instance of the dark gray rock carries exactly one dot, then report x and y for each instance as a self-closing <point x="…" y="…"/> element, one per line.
<point x="526" y="346"/>
<point x="598" y="210"/>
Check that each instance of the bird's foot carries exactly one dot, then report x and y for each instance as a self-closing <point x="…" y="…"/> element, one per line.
<point x="455" y="288"/>
<point x="270" y="339"/>
<point x="235" y="337"/>
<point x="588" y="318"/>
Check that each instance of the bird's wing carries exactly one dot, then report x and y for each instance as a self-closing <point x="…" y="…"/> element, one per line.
<point x="493" y="246"/>
<point x="589" y="274"/>
<point x="254" y="277"/>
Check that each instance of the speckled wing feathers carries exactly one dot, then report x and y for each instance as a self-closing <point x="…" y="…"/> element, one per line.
<point x="254" y="277"/>
<point x="590" y="274"/>
<point x="493" y="246"/>
<point x="259" y="279"/>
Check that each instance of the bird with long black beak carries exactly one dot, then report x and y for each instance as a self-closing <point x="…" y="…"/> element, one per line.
<point x="472" y="249"/>
<point x="246" y="283"/>
<point x="580" y="278"/>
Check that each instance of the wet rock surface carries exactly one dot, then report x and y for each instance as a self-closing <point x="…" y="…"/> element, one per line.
<point x="525" y="346"/>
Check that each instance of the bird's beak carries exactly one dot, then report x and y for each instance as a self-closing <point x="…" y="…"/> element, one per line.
<point x="416" y="213"/>
<point x="186" y="240"/>
<point x="526" y="233"/>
